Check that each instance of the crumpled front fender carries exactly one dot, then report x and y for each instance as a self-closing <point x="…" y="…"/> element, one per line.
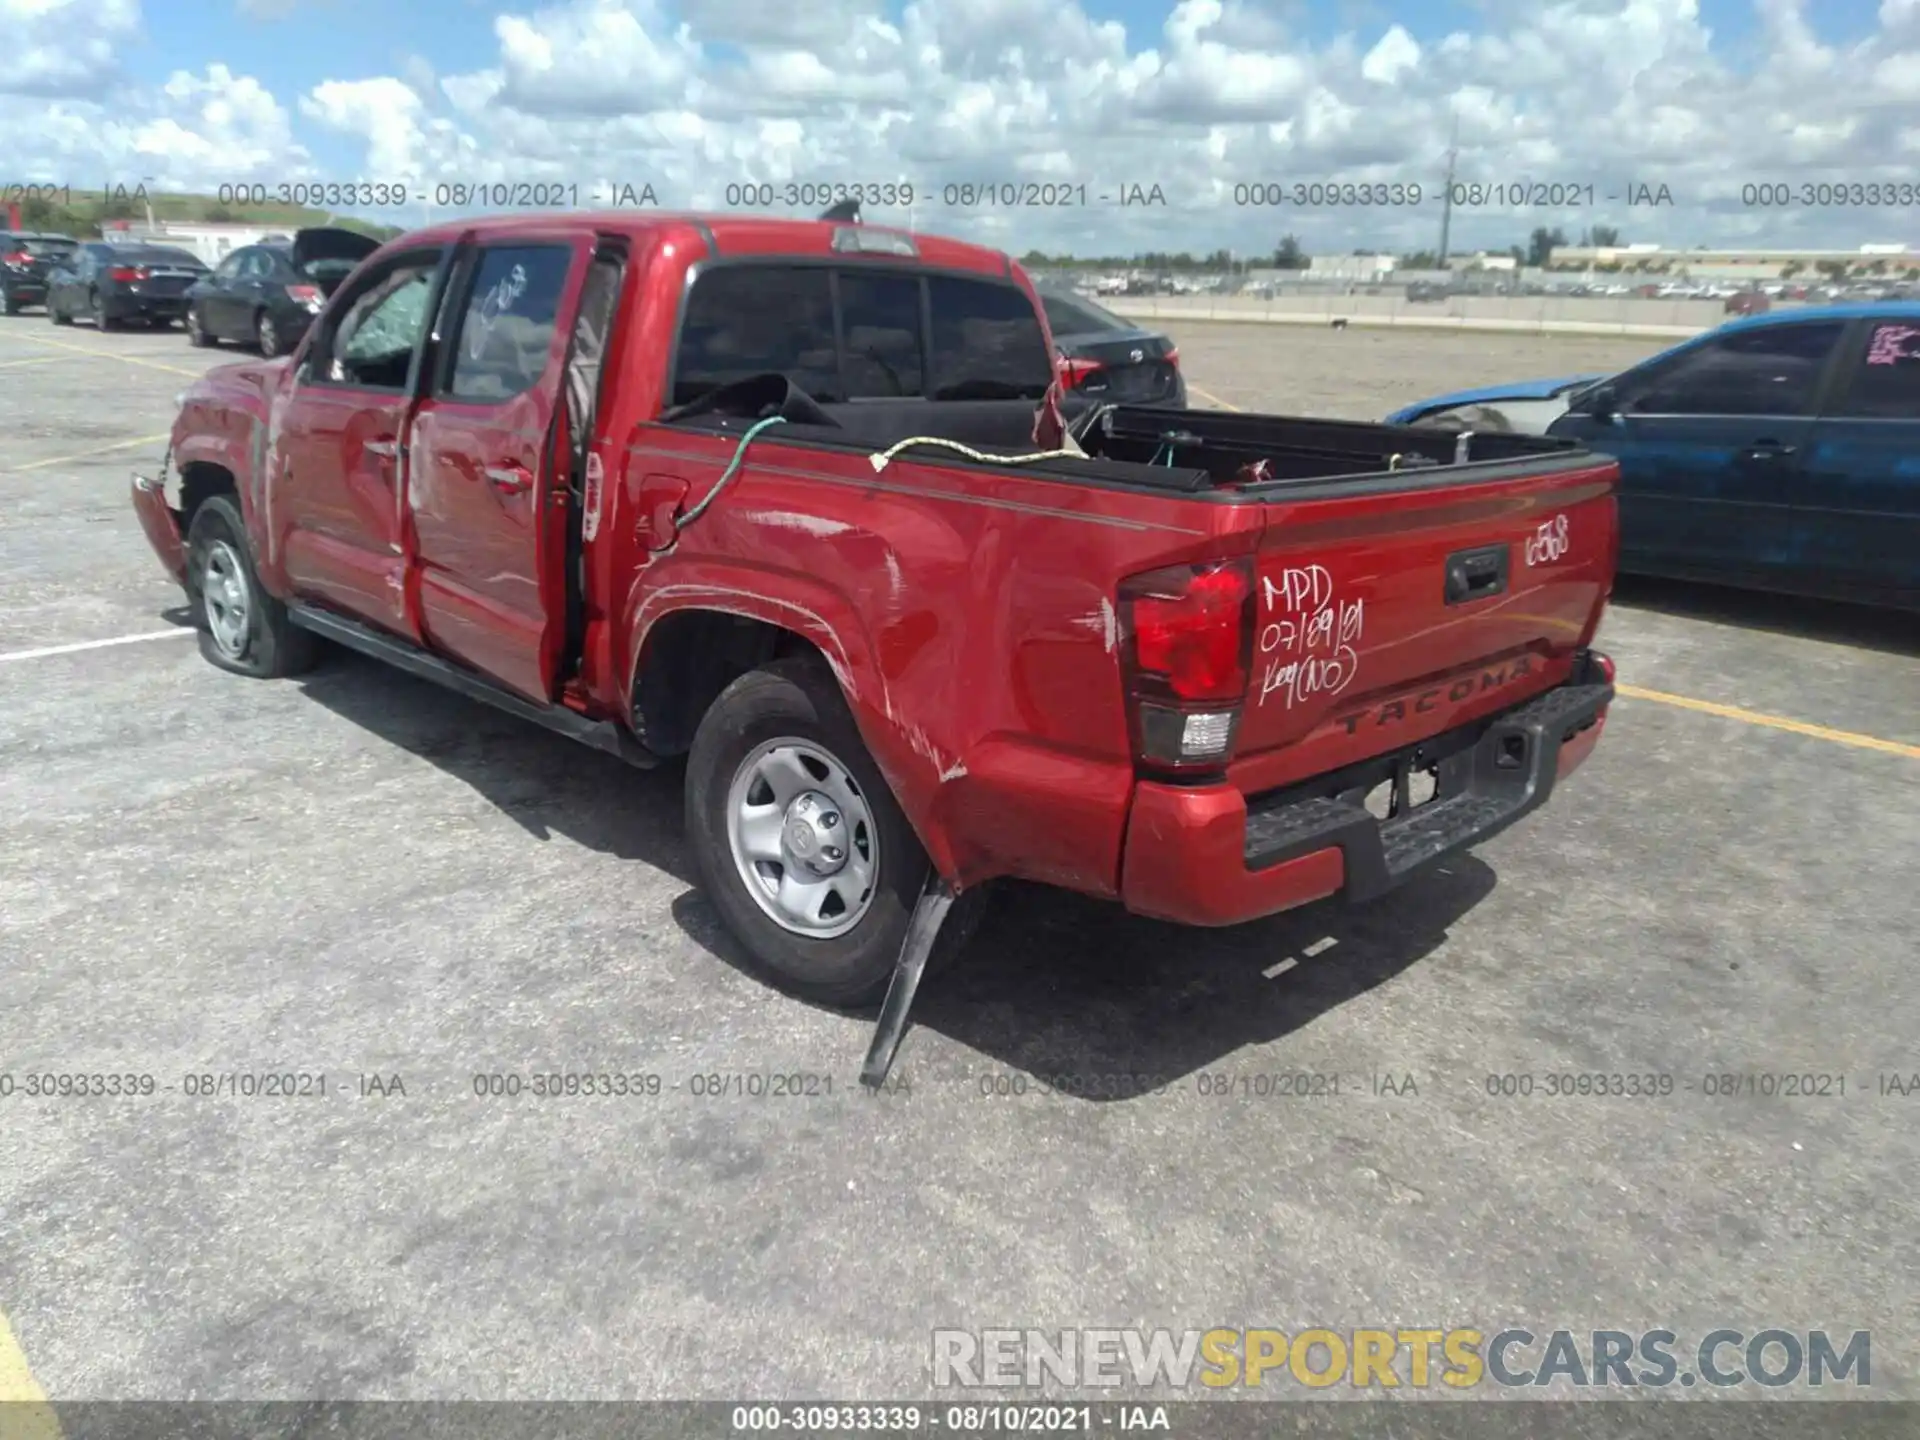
<point x="160" y="522"/>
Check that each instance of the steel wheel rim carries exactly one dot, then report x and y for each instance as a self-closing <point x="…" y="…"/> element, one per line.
<point x="223" y="594"/>
<point x="194" y="327"/>
<point x="803" y="839"/>
<point x="269" y="337"/>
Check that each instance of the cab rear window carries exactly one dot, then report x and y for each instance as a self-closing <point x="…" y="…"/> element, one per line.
<point x="860" y="332"/>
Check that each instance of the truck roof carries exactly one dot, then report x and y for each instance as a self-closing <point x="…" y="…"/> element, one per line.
<point x="725" y="234"/>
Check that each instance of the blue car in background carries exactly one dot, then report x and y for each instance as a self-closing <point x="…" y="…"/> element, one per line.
<point x="1779" y="452"/>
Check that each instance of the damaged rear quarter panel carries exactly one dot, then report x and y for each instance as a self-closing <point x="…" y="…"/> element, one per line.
<point x="970" y="618"/>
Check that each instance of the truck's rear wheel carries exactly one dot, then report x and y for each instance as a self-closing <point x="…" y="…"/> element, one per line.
<point x="802" y="847"/>
<point x="242" y="627"/>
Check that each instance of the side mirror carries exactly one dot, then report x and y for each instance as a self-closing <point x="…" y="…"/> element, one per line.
<point x="1602" y="403"/>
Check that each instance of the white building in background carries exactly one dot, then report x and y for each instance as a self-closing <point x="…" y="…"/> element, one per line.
<point x="211" y="240"/>
<point x="1367" y="268"/>
<point x="1887" y="260"/>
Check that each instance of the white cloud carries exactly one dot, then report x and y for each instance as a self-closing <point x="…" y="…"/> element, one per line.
<point x="63" y="48"/>
<point x="1584" y="92"/>
<point x="1394" y="55"/>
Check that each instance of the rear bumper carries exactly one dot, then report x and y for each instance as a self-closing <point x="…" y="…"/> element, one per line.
<point x="160" y="523"/>
<point x="1208" y="855"/>
<point x="23" y="291"/>
<point x="143" y="307"/>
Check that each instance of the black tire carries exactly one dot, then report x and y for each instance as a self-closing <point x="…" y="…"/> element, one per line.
<point x="197" y="333"/>
<point x="266" y="336"/>
<point x="101" y="320"/>
<point x="797" y="697"/>
<point x="55" y="315"/>
<point x="10" y="303"/>
<point x="269" y="645"/>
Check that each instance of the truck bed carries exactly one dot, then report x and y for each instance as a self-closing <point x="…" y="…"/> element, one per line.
<point x="1250" y="456"/>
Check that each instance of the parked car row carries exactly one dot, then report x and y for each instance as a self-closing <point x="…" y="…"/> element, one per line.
<point x="1774" y="453"/>
<point x="263" y="295"/>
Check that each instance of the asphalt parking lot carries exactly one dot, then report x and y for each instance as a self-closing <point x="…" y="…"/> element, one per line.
<point x="357" y="875"/>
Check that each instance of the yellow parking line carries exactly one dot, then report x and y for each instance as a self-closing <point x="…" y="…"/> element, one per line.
<point x="37" y="360"/>
<point x="1211" y="398"/>
<point x="108" y="355"/>
<point x="1772" y="722"/>
<point x="83" y="454"/>
<point x="24" y="1411"/>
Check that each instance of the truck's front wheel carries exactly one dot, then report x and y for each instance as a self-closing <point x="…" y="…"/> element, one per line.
<point x="242" y="627"/>
<point x="802" y="847"/>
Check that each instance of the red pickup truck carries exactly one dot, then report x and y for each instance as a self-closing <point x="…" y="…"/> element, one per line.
<point x="795" y="501"/>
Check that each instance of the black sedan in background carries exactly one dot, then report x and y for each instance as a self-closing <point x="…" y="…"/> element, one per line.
<point x="112" y="284"/>
<point x="267" y="294"/>
<point x="25" y="260"/>
<point x="1106" y="358"/>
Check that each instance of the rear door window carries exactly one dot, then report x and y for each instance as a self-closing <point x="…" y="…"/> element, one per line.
<point x="506" y="331"/>
<point x="1885" y="384"/>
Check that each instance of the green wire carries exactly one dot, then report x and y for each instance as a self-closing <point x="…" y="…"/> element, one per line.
<point x="733" y="466"/>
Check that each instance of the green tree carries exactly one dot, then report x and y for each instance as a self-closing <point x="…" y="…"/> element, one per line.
<point x="1604" y="237"/>
<point x="1542" y="244"/>
<point x="1288" y="255"/>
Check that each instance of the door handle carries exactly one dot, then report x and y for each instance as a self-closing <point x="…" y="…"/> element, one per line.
<point x="1476" y="574"/>
<point x="1768" y="450"/>
<point x="510" y="478"/>
<point x="388" y="449"/>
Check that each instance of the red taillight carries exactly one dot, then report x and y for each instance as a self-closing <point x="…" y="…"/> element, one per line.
<point x="1189" y="651"/>
<point x="1172" y="357"/>
<point x="1074" y="373"/>
<point x="307" y="295"/>
<point x="18" y="257"/>
<point x="126" y="273"/>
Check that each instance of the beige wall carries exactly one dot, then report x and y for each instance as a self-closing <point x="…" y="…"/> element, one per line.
<point x="1572" y="315"/>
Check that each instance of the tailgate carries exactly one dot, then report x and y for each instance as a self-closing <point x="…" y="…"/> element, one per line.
<point x="1383" y="619"/>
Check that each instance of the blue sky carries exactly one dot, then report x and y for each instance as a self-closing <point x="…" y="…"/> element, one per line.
<point x="1201" y="95"/>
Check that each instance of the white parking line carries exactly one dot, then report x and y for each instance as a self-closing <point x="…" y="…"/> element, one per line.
<point x="47" y="650"/>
